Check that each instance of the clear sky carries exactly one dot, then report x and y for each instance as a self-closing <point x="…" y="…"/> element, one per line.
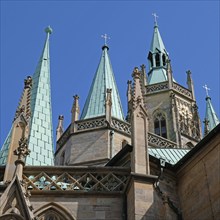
<point x="189" y="29"/>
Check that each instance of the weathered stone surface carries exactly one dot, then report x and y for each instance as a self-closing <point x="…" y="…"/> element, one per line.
<point x="198" y="184"/>
<point x="85" y="207"/>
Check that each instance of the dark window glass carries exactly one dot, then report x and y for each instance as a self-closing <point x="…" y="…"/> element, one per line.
<point x="160" y="126"/>
<point x="164" y="60"/>
<point x="157" y="59"/>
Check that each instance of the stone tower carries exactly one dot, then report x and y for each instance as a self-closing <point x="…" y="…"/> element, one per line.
<point x="172" y="109"/>
<point x="101" y="131"/>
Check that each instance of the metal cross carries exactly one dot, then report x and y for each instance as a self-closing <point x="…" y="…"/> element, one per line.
<point x="155" y="17"/>
<point x="206" y="89"/>
<point x="106" y="37"/>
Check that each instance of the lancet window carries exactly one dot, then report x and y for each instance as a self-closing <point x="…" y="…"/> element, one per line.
<point x="160" y="127"/>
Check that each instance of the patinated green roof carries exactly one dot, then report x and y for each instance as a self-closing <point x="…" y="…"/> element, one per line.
<point x="157" y="74"/>
<point x="170" y="155"/>
<point x="210" y="114"/>
<point x="5" y="148"/>
<point x="157" y="42"/>
<point x="103" y="79"/>
<point x="41" y="129"/>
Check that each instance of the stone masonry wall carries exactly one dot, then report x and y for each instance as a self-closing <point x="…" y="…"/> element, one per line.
<point x="166" y="189"/>
<point x="160" y="101"/>
<point x="84" y="207"/>
<point x="87" y="146"/>
<point x="198" y="184"/>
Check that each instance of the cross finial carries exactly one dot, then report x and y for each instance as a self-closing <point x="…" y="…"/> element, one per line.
<point x="206" y="89"/>
<point x="155" y="17"/>
<point x="106" y="37"/>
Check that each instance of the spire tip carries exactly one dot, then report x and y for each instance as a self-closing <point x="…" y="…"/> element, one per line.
<point x="48" y="30"/>
<point x="106" y="37"/>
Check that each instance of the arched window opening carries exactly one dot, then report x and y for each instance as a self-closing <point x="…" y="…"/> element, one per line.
<point x="11" y="216"/>
<point x="157" y="57"/>
<point x="160" y="125"/>
<point x="52" y="217"/>
<point x="164" y="60"/>
<point x="53" y="211"/>
<point x="150" y="58"/>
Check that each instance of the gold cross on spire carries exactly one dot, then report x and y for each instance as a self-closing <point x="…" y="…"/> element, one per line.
<point x="106" y="37"/>
<point x="206" y="89"/>
<point x="155" y="17"/>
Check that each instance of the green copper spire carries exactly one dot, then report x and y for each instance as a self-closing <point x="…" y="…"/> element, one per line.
<point x="211" y="118"/>
<point x="5" y="148"/>
<point x="41" y="129"/>
<point x="40" y="140"/>
<point x="157" y="42"/>
<point x="103" y="80"/>
<point x="157" y="57"/>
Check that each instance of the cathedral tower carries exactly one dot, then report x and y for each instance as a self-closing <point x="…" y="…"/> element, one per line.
<point x="172" y="109"/>
<point x="101" y="130"/>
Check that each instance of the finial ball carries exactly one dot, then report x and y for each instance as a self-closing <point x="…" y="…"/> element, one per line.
<point x="48" y="30"/>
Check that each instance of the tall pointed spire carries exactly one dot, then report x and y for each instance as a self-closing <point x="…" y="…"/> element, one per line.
<point x="157" y="57"/>
<point x="41" y="129"/>
<point x="104" y="79"/>
<point x="211" y="118"/>
<point x="40" y="140"/>
<point x="157" y="42"/>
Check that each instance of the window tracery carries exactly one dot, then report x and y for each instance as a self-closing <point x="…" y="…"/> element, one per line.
<point x="51" y="215"/>
<point x="160" y="127"/>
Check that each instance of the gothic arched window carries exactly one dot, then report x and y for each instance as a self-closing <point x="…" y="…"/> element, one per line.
<point x="160" y="125"/>
<point x="53" y="211"/>
<point x="157" y="57"/>
<point x="52" y="217"/>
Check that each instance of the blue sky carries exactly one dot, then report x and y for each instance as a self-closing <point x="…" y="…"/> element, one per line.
<point x="189" y="29"/>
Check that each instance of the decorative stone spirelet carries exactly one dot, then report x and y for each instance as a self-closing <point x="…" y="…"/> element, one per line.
<point x="22" y="151"/>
